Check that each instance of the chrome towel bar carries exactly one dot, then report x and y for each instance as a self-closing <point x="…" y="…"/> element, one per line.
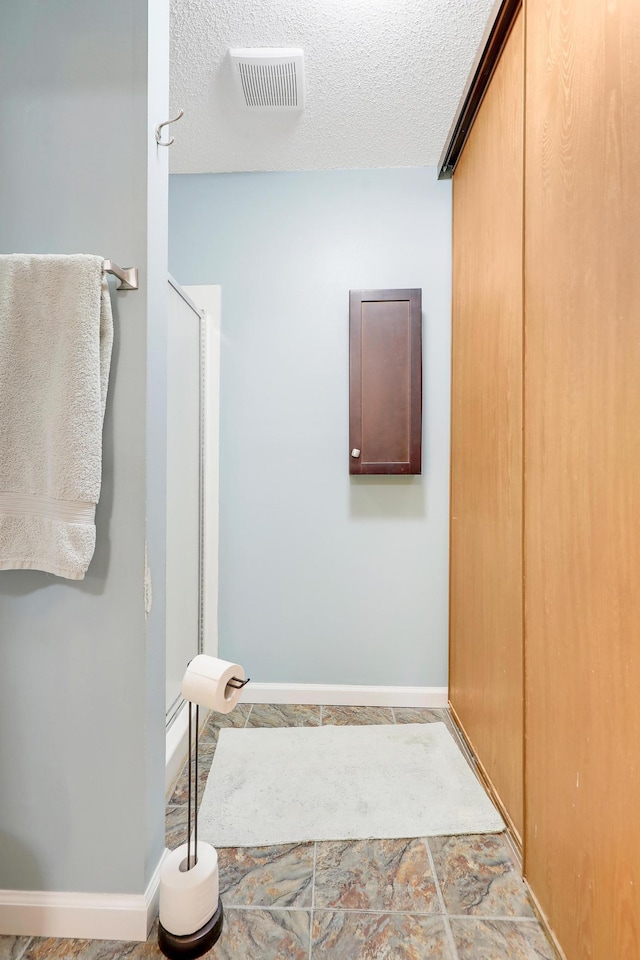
<point x="128" y="276"/>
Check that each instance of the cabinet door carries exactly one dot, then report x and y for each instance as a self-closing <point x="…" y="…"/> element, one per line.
<point x="385" y="381"/>
<point x="486" y="651"/>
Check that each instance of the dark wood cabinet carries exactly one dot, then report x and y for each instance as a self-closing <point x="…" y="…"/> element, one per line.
<point x="385" y="382"/>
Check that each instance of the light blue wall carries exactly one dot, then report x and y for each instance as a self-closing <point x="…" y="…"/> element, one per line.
<point x="81" y="668"/>
<point x="323" y="578"/>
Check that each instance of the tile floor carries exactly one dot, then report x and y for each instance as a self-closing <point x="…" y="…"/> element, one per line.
<point x="446" y="898"/>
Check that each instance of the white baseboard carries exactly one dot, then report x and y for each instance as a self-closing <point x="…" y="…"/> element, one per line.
<point x="338" y="694"/>
<point x="82" y="916"/>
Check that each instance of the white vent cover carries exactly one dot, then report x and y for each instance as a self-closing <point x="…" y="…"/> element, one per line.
<point x="269" y="78"/>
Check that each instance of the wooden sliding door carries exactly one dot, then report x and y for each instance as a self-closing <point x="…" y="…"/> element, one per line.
<point x="582" y="476"/>
<point x="486" y="657"/>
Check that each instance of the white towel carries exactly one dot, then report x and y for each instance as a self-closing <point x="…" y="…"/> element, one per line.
<point x="56" y="333"/>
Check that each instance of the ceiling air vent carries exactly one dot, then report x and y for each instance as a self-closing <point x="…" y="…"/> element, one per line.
<point x="269" y="78"/>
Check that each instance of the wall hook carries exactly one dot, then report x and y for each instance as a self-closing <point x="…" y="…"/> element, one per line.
<point x="165" y="124"/>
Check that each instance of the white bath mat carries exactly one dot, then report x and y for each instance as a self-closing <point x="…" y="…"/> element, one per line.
<point x="286" y="785"/>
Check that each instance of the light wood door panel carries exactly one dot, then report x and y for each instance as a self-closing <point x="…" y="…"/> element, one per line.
<point x="486" y="638"/>
<point x="582" y="472"/>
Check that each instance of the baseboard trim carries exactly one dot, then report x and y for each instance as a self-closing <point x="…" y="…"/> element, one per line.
<point x="338" y="694"/>
<point x="81" y="916"/>
<point x="512" y="832"/>
<point x="560" y="954"/>
<point x="488" y="784"/>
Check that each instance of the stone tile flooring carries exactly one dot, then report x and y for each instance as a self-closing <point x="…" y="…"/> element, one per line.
<point x="445" y="898"/>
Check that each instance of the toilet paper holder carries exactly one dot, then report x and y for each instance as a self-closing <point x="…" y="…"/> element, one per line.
<point x="237" y="684"/>
<point x="189" y="946"/>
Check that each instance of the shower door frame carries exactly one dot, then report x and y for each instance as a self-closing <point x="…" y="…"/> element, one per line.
<point x="178" y="703"/>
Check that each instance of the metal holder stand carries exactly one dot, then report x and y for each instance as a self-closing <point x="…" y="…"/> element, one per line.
<point x="194" y="944"/>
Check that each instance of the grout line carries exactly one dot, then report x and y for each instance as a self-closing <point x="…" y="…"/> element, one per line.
<point x="432" y="866"/>
<point x="262" y="906"/>
<point x="449" y="933"/>
<point x="313" y="897"/>
<point x="393" y="714"/>
<point x="25" y="948"/>
<point x="445" y="916"/>
<point x="321" y="714"/>
<point x="313" y="881"/>
<point x="484" y="919"/>
<point x="248" y="715"/>
<point x="383" y="913"/>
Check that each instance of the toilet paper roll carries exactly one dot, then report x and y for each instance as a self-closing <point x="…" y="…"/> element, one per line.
<point x="188" y="898"/>
<point x="206" y="683"/>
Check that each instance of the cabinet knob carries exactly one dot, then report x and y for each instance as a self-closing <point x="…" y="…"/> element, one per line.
<point x="355" y="453"/>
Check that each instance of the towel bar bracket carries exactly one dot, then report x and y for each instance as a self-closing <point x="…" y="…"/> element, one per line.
<point x="128" y="276"/>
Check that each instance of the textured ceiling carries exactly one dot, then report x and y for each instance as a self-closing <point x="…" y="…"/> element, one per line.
<point x="383" y="79"/>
